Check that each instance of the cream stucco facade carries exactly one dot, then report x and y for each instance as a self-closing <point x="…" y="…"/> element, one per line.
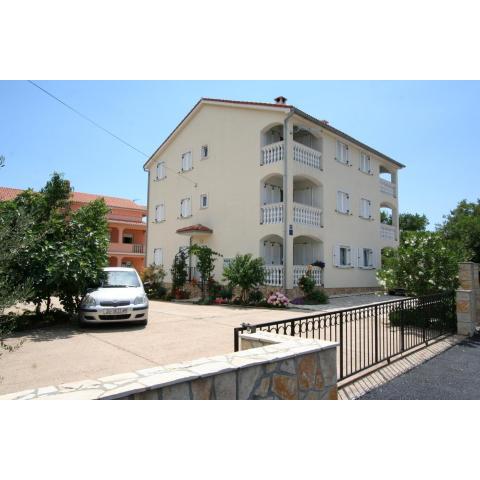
<point x="278" y="184"/>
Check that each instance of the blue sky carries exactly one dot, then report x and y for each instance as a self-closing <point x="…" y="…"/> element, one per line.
<point x="432" y="127"/>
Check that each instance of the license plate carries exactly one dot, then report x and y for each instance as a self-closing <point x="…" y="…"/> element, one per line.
<point x="115" y="311"/>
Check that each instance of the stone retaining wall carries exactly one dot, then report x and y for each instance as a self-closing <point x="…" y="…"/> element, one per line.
<point x="468" y="298"/>
<point x="268" y="367"/>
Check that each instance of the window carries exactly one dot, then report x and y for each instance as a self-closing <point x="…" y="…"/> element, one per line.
<point x="342" y="256"/>
<point x="343" y="202"/>
<point x="203" y="200"/>
<point x="186" y="161"/>
<point x="161" y="171"/>
<point x="158" y="256"/>
<point x="227" y="262"/>
<point x="186" y="207"/>
<point x="204" y="152"/>
<point x="160" y="213"/>
<point x="365" y="208"/>
<point x="342" y="152"/>
<point x="127" y="238"/>
<point x="365" y="163"/>
<point x="366" y="258"/>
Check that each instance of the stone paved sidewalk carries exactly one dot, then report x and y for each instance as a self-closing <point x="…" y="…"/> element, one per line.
<point x="358" y="388"/>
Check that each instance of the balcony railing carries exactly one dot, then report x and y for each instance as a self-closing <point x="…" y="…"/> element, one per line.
<point x="125" y="218"/>
<point x="306" y="155"/>
<point x="300" y="270"/>
<point x="387" y="232"/>
<point x="125" y="247"/>
<point x="306" y="215"/>
<point x="274" y="275"/>
<point x="275" y="152"/>
<point x="271" y="213"/>
<point x="387" y="187"/>
<point x="272" y="153"/>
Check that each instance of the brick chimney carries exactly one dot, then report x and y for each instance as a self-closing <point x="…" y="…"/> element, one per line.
<point x="280" y="100"/>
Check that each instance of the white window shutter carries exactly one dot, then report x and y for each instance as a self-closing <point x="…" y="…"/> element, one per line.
<point x="158" y="256"/>
<point x="340" y="201"/>
<point x="347" y="203"/>
<point x="349" y="256"/>
<point x="336" y="255"/>
<point x="189" y="206"/>
<point x="182" y="208"/>
<point x="339" y="152"/>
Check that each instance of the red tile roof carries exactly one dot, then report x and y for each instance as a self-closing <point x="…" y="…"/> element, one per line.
<point x="195" y="228"/>
<point x="7" y="193"/>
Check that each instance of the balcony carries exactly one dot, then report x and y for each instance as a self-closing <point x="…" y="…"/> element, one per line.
<point x="136" y="248"/>
<point x="307" y="156"/>
<point x="271" y="213"/>
<point x="387" y="187"/>
<point x="300" y="270"/>
<point x="275" y="152"/>
<point x="272" y="153"/>
<point x="307" y="215"/>
<point x="274" y="274"/>
<point x="126" y="218"/>
<point x="387" y="232"/>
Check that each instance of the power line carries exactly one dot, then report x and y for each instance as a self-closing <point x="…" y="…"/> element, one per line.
<point x="105" y="130"/>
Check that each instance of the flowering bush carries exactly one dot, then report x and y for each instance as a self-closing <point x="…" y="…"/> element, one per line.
<point x="277" y="299"/>
<point x="221" y="301"/>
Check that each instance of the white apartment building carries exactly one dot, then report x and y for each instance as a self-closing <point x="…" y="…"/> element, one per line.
<point x="269" y="179"/>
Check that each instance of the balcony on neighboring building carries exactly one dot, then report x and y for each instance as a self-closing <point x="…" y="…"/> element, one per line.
<point x="134" y="248"/>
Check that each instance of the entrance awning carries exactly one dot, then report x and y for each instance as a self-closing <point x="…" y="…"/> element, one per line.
<point x="197" y="229"/>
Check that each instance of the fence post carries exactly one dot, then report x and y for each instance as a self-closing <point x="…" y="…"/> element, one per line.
<point x="402" y="328"/>
<point x="292" y="328"/>
<point x="235" y="339"/>
<point x="341" y="345"/>
<point x="376" y="333"/>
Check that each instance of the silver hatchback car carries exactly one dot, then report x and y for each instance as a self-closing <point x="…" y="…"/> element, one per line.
<point x="120" y="298"/>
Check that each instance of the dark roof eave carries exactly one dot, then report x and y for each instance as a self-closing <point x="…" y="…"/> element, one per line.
<point x="345" y="136"/>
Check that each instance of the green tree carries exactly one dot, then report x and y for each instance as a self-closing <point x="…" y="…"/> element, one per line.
<point x="424" y="263"/>
<point x="63" y="252"/>
<point x="462" y="227"/>
<point x="205" y="263"/>
<point x="82" y="254"/>
<point x="412" y="222"/>
<point x="245" y="272"/>
<point x="12" y="239"/>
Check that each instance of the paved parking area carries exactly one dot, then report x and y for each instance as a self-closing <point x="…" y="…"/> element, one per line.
<point x="452" y="375"/>
<point x="175" y="332"/>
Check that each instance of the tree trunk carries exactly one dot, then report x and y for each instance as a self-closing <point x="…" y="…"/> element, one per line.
<point x="49" y="300"/>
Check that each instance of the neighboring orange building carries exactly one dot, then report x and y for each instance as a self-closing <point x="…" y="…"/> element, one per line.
<point x="125" y="222"/>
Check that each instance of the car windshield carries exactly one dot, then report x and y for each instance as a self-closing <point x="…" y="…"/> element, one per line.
<point x="120" y="279"/>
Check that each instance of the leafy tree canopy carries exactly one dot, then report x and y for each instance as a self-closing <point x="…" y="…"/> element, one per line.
<point x="412" y="222"/>
<point x="462" y="227"/>
<point x="245" y="272"/>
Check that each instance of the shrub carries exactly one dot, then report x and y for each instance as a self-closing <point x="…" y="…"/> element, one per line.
<point x="317" y="297"/>
<point x="180" y="294"/>
<point x="307" y="284"/>
<point x="255" y="296"/>
<point x="226" y="292"/>
<point x="425" y="262"/>
<point x="245" y="272"/>
<point x="152" y="278"/>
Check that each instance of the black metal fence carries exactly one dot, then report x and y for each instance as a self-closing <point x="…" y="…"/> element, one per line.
<point x="371" y="334"/>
